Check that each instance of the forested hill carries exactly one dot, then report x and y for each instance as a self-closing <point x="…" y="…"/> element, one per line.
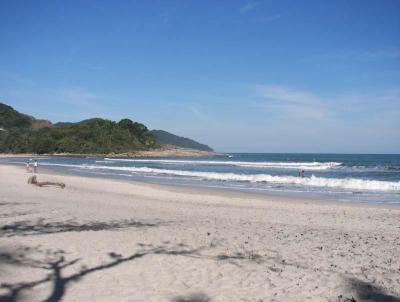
<point x="21" y="133"/>
<point x="164" y="137"/>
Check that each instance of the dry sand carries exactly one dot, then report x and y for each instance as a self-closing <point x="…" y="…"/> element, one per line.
<point x="103" y="240"/>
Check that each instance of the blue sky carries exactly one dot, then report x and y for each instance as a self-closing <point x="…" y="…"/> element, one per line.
<point x="250" y="76"/>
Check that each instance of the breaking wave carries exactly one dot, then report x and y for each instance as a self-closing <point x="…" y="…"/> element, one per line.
<point x="343" y="183"/>
<point x="278" y="165"/>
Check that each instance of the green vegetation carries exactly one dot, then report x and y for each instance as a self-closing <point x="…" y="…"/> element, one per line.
<point x="20" y="134"/>
<point x="164" y="137"/>
<point x="10" y="118"/>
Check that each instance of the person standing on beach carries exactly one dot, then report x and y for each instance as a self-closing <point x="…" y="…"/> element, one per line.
<point x="28" y="167"/>
<point x="35" y="166"/>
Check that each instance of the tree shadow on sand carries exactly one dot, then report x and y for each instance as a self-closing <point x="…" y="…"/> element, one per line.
<point x="240" y="256"/>
<point x="9" y="203"/>
<point x="365" y="291"/>
<point x="56" y="263"/>
<point x="14" y="214"/>
<point x="12" y="203"/>
<point x="194" y="297"/>
<point x="40" y="227"/>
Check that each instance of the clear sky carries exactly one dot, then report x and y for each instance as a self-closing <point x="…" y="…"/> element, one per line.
<point x="250" y="76"/>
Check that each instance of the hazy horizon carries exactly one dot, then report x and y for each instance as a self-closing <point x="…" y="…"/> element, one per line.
<point x="239" y="76"/>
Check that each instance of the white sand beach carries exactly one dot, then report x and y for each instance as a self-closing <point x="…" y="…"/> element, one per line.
<point x="104" y="240"/>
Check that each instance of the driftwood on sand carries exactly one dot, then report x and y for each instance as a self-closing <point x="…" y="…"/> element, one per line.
<point x="33" y="180"/>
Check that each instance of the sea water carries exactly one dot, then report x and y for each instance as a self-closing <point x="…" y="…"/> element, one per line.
<point x="342" y="177"/>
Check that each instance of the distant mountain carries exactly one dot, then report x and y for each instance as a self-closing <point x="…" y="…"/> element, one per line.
<point x="166" y="138"/>
<point x="21" y="133"/>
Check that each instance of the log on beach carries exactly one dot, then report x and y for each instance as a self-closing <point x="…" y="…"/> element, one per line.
<point x="33" y="180"/>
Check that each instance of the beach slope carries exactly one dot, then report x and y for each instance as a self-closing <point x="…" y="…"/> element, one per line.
<point x="104" y="240"/>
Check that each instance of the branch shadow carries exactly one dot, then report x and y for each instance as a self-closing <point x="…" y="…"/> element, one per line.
<point x="15" y="203"/>
<point x="17" y="257"/>
<point x="14" y="214"/>
<point x="27" y="228"/>
<point x="9" y="203"/>
<point x="57" y="265"/>
<point x="240" y="256"/>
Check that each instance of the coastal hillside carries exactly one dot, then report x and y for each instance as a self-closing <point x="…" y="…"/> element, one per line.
<point x="10" y="118"/>
<point x="166" y="138"/>
<point x="21" y="133"/>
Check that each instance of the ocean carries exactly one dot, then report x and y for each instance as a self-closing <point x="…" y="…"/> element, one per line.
<point x="340" y="177"/>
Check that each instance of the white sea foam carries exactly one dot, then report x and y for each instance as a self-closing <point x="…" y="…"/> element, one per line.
<point x="277" y="165"/>
<point x="344" y="183"/>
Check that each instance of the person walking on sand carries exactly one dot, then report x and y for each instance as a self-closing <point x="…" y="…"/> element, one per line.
<point x="35" y="166"/>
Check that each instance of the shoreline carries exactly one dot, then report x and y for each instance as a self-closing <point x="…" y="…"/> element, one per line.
<point x="218" y="191"/>
<point x="209" y="191"/>
<point x="233" y="192"/>
<point x="107" y="240"/>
